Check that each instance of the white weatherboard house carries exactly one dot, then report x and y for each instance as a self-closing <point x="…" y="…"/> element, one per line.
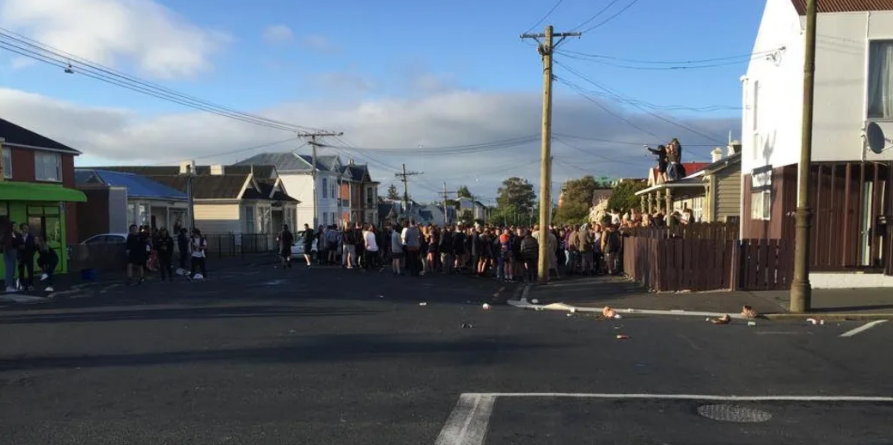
<point x="852" y="239"/>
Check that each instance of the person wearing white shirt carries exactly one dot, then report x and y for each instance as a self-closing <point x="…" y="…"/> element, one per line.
<point x="370" y="253"/>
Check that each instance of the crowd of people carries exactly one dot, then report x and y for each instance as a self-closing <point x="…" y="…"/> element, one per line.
<point x="20" y="246"/>
<point x="507" y="253"/>
<point x="152" y="249"/>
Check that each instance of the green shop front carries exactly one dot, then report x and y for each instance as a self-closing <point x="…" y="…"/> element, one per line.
<point x="42" y="207"/>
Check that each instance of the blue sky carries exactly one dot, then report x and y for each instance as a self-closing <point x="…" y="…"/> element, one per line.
<point x="353" y="55"/>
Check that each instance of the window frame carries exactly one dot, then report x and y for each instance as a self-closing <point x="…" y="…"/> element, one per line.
<point x="7" y="162"/>
<point x="762" y="200"/>
<point x="325" y="188"/>
<point x="40" y="166"/>
<point x="868" y="61"/>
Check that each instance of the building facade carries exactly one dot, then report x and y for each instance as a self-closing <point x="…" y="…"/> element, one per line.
<point x="851" y="184"/>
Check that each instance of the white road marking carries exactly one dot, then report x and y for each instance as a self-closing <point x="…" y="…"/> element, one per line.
<point x="467" y="424"/>
<point x="782" y="333"/>
<point x="862" y="328"/>
<point x="775" y="398"/>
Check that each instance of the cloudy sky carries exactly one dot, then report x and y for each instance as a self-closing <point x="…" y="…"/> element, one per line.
<point x="446" y="88"/>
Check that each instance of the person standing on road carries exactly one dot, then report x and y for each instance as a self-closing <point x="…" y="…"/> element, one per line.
<point x="199" y="246"/>
<point x="136" y="249"/>
<point x="396" y="250"/>
<point x="308" y="245"/>
<point x="412" y="245"/>
<point x="183" y="247"/>
<point x="349" y="247"/>
<point x="446" y="250"/>
<point x="370" y="247"/>
<point x="530" y="250"/>
<point x="47" y="260"/>
<point x="165" y="246"/>
<point x="10" y="245"/>
<point x="27" y="249"/>
<point x="285" y="239"/>
<point x="611" y="244"/>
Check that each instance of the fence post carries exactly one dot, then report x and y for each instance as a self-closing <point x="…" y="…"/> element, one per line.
<point x="735" y="270"/>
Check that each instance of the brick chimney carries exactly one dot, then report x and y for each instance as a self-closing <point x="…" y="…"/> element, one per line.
<point x="716" y="154"/>
<point x="217" y="169"/>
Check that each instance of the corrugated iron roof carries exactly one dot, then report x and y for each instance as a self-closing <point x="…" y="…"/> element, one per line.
<point x="845" y="5"/>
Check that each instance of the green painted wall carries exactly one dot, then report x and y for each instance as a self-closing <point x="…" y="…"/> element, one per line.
<point x="38" y="214"/>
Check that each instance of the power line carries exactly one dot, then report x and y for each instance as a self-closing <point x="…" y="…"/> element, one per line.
<point x="582" y="92"/>
<point x="605" y="21"/>
<point x="672" y="62"/>
<point x="240" y="150"/>
<point x="659" y="68"/>
<point x="609" y="141"/>
<point x="449" y="150"/>
<point x="73" y="64"/>
<point x="548" y="14"/>
<point x="596" y="15"/>
<point x="655" y="115"/>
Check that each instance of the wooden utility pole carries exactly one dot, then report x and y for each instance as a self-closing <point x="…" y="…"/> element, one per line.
<point x="801" y="289"/>
<point x="446" y="194"/>
<point x="545" y="49"/>
<point x="313" y="170"/>
<point x="404" y="178"/>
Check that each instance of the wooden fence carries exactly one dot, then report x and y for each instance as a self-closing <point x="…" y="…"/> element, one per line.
<point x="673" y="264"/>
<point x="706" y="256"/>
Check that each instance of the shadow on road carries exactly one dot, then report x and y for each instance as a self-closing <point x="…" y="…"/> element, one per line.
<point x="322" y="348"/>
<point x="186" y="313"/>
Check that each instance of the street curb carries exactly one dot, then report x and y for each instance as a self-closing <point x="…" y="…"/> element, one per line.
<point x="829" y="316"/>
<point x="522" y="303"/>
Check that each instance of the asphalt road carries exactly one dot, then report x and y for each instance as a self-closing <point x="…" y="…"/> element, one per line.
<point x="327" y="356"/>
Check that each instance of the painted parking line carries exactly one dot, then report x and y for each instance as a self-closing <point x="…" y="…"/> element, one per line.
<point x="468" y="423"/>
<point x="862" y="328"/>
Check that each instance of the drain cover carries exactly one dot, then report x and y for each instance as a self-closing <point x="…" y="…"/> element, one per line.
<point x="731" y="413"/>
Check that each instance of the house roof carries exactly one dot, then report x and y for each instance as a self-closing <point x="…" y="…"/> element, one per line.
<point x="260" y="170"/>
<point x="16" y="135"/>
<point x="723" y="163"/>
<point x="208" y="186"/>
<point x="283" y="162"/>
<point x="266" y="189"/>
<point x="137" y="186"/>
<point x="826" y="6"/>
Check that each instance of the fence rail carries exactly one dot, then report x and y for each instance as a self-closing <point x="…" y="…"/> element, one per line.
<point x="709" y="231"/>
<point x="113" y="257"/>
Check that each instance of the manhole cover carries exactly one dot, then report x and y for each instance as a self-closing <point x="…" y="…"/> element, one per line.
<point x="731" y="413"/>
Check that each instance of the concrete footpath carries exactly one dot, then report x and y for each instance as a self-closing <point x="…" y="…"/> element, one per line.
<point x="594" y="293"/>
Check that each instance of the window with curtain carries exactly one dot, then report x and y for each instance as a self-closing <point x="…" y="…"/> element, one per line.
<point x="47" y="166"/>
<point x="7" y="163"/>
<point x="880" y="79"/>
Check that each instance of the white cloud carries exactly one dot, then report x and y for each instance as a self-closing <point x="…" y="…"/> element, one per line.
<point x="318" y="43"/>
<point x="19" y="63"/>
<point x="143" y="33"/>
<point x="442" y="119"/>
<point x="276" y="34"/>
<point x="345" y="81"/>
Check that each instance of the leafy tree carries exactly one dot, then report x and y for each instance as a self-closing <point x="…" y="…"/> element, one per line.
<point x="517" y="194"/>
<point x="463" y="192"/>
<point x="467" y="218"/>
<point x="393" y="193"/>
<point x="623" y="196"/>
<point x="577" y="200"/>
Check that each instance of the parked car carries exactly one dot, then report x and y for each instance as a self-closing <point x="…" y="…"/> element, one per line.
<point x="298" y="247"/>
<point x="104" y="238"/>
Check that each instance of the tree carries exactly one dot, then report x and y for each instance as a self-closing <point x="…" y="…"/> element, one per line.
<point x="623" y="196"/>
<point x="467" y="218"/>
<point x="577" y="200"/>
<point x="463" y="192"/>
<point x="517" y="194"/>
<point x="393" y="193"/>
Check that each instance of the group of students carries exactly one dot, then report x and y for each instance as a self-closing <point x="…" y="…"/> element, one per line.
<point x="20" y="246"/>
<point x="504" y="252"/>
<point x="153" y="248"/>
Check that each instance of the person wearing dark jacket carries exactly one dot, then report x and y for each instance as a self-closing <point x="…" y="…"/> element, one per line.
<point x="165" y="246"/>
<point x="9" y="243"/>
<point x="183" y="247"/>
<point x="530" y="249"/>
<point x="446" y="250"/>
<point x="27" y="249"/>
<point x="47" y="260"/>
